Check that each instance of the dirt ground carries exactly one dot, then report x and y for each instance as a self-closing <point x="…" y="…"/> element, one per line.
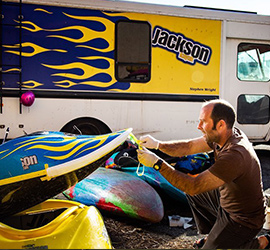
<point x="133" y="234"/>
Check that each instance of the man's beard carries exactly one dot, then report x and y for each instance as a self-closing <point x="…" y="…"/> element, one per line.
<point x="211" y="138"/>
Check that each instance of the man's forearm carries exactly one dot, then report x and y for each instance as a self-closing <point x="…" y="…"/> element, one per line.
<point x="184" y="147"/>
<point x="175" y="148"/>
<point x="178" y="179"/>
<point x="191" y="185"/>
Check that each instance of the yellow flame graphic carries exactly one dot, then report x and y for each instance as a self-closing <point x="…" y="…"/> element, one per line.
<point x="89" y="83"/>
<point x="63" y="85"/>
<point x="67" y="143"/>
<point x="97" y="49"/>
<point x="99" y="144"/>
<point x="111" y="14"/>
<point x="36" y="49"/>
<point x="11" y="70"/>
<point x="65" y="147"/>
<point x="13" y="151"/>
<point x="35" y="84"/>
<point x="16" y="46"/>
<point x="107" y="34"/>
<point x="35" y="28"/>
<point x="75" y="150"/>
<point x="88" y="71"/>
<point x="3" y="151"/>
<point x="26" y="143"/>
<point x="87" y="34"/>
<point x="42" y="137"/>
<point x="42" y="10"/>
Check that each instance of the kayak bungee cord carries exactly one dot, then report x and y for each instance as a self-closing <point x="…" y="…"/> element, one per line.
<point x="133" y="138"/>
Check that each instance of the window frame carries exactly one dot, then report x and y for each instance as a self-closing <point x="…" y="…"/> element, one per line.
<point x="117" y="63"/>
<point x="237" y="66"/>
<point x="248" y="122"/>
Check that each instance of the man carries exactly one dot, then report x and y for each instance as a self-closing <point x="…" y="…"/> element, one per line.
<point x="227" y="199"/>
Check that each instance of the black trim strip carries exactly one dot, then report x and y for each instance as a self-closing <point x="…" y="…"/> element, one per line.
<point x="114" y="96"/>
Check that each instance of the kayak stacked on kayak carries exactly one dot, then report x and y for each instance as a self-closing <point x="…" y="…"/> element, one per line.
<point x="38" y="166"/>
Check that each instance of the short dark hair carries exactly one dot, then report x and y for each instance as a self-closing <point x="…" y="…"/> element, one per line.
<point x="222" y="110"/>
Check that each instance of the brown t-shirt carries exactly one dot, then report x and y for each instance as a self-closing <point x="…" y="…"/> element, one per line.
<point x="237" y="164"/>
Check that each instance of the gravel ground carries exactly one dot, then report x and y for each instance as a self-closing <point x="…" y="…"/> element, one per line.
<point x="133" y="234"/>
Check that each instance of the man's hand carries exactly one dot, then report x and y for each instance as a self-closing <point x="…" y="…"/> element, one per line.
<point x="149" y="142"/>
<point x="146" y="157"/>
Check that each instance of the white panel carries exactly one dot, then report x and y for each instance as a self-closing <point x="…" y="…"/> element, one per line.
<point x="248" y="31"/>
<point x="165" y="120"/>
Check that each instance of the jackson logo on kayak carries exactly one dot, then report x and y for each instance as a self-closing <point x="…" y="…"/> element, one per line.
<point x="28" y="161"/>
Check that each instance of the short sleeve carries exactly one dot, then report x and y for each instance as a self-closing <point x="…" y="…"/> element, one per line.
<point x="228" y="166"/>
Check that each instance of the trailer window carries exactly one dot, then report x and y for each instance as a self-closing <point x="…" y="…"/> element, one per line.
<point x="253" y="109"/>
<point x="133" y="51"/>
<point x="253" y="62"/>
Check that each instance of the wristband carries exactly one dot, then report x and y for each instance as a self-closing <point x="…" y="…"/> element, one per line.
<point x="157" y="165"/>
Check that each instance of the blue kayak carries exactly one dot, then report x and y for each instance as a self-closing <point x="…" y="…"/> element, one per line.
<point x="38" y="166"/>
<point x="126" y="161"/>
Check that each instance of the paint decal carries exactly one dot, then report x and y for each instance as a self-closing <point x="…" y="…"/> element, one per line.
<point x="70" y="49"/>
<point x="48" y="152"/>
<point x="29" y="161"/>
<point x="67" y="48"/>
<point x="186" y="50"/>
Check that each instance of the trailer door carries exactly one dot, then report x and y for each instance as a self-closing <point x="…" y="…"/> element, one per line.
<point x="246" y="85"/>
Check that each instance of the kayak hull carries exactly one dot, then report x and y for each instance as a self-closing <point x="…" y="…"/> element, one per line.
<point x="155" y="179"/>
<point x="55" y="224"/>
<point x="119" y="193"/>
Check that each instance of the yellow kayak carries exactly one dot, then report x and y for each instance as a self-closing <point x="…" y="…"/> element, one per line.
<point x="55" y="224"/>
